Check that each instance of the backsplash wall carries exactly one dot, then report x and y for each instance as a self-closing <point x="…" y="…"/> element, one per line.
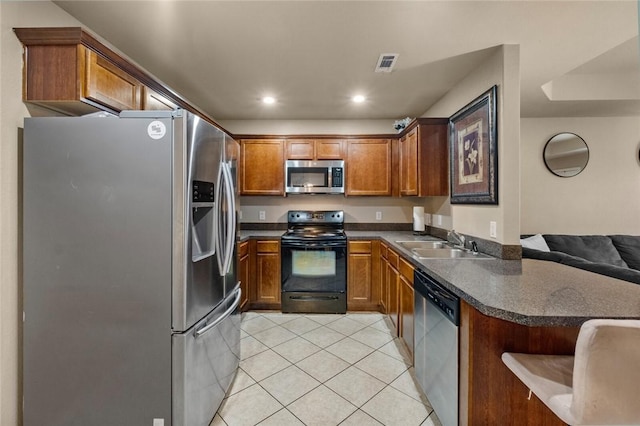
<point x="357" y="209"/>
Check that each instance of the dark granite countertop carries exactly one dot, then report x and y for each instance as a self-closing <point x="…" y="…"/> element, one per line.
<point x="529" y="292"/>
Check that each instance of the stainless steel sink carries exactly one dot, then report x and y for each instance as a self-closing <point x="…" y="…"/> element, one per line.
<point x="423" y="244"/>
<point x="447" y="253"/>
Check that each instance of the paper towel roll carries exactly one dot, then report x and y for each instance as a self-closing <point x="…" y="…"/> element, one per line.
<point x="418" y="219"/>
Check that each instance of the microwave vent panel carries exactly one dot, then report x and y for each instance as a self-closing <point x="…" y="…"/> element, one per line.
<point x="386" y="62"/>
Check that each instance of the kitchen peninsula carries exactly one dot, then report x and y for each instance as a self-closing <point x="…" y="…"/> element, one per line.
<point x="510" y="305"/>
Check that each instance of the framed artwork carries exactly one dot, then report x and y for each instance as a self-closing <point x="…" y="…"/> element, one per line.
<point x="473" y="155"/>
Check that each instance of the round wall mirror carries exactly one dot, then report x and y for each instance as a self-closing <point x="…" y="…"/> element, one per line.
<point x="566" y="154"/>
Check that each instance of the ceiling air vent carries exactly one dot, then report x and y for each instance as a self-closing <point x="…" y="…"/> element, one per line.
<point x="386" y="61"/>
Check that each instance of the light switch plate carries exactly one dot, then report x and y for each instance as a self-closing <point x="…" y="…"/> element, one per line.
<point x="493" y="231"/>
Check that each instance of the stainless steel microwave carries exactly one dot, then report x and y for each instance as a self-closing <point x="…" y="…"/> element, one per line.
<point x="314" y="177"/>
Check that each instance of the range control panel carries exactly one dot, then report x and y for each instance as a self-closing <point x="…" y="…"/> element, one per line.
<point x="315" y="216"/>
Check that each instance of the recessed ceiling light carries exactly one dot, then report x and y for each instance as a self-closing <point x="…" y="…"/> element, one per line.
<point x="358" y="99"/>
<point x="269" y="100"/>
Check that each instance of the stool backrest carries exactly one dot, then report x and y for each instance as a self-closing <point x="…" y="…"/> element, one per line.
<point x="606" y="372"/>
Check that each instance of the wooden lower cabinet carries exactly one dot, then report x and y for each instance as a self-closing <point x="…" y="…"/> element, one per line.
<point x="265" y="269"/>
<point x="490" y="394"/>
<point x="393" y="277"/>
<point x="243" y="273"/>
<point x="362" y="265"/>
<point x="406" y="310"/>
<point x="382" y="279"/>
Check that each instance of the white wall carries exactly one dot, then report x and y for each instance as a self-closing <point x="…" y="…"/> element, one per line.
<point x="357" y="209"/>
<point x="502" y="69"/>
<point x="12" y="111"/>
<point x="603" y="199"/>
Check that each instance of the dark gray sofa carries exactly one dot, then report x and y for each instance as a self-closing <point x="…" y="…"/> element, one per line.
<point x="616" y="256"/>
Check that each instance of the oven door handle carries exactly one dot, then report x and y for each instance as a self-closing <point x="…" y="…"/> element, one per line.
<point x="313" y="244"/>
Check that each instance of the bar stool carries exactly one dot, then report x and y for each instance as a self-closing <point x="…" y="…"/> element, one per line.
<point x="600" y="385"/>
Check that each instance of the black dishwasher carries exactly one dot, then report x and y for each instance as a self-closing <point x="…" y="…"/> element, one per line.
<point x="436" y="345"/>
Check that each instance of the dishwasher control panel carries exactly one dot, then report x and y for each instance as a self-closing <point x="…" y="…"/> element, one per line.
<point x="439" y="296"/>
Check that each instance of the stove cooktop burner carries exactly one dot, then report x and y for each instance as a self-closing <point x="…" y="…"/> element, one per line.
<point x="315" y="225"/>
<point x="315" y="233"/>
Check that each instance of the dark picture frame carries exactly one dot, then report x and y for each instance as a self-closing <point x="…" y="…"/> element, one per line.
<point x="473" y="158"/>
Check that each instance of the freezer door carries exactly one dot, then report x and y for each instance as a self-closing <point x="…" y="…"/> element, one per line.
<point x="197" y="284"/>
<point x="205" y="360"/>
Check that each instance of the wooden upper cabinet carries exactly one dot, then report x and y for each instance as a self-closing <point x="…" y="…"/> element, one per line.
<point x="300" y="149"/>
<point x="368" y="167"/>
<point x="409" y="163"/>
<point x="68" y="70"/>
<point x="262" y="167"/>
<point x="110" y="86"/>
<point x="424" y="169"/>
<point x="329" y="149"/>
<point x="62" y="74"/>
<point x="152" y="100"/>
<point x="314" y="149"/>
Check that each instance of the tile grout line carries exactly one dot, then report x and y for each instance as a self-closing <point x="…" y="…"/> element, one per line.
<point x="364" y="325"/>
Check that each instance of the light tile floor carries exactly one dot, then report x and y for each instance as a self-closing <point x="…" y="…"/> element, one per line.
<point x="322" y="370"/>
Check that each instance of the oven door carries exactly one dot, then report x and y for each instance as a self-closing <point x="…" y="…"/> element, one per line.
<point x="314" y="276"/>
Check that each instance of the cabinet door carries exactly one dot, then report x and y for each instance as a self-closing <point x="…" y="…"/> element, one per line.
<point x="329" y="149"/>
<point x="300" y="149"/>
<point x="310" y="149"/>
<point x="384" y="284"/>
<point x="243" y="273"/>
<point x="262" y="167"/>
<point x="433" y="159"/>
<point x="109" y="85"/>
<point x="369" y="167"/>
<point x="393" y="277"/>
<point x="152" y="100"/>
<point x="267" y="289"/>
<point x="406" y="304"/>
<point x="409" y="163"/>
<point x="359" y="281"/>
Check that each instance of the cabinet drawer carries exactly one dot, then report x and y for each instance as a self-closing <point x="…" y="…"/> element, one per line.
<point x="406" y="270"/>
<point x="360" y="247"/>
<point x="243" y="249"/>
<point x="393" y="258"/>
<point x="383" y="250"/>
<point x="268" y="246"/>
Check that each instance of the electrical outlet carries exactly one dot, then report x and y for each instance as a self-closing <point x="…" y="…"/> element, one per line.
<point x="493" y="232"/>
<point x="240" y="214"/>
<point x="427" y="218"/>
<point x="263" y="215"/>
<point x="378" y="215"/>
<point x="439" y="219"/>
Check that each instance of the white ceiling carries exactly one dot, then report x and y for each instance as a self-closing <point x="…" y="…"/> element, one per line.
<point x="223" y="56"/>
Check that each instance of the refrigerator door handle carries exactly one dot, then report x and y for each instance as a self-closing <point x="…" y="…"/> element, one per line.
<point x="216" y="219"/>
<point x="231" y="218"/>
<point x="224" y="316"/>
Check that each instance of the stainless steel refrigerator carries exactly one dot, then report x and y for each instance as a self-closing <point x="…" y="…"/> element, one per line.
<point x="130" y="294"/>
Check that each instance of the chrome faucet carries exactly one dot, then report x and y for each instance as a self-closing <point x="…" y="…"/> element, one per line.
<point x="456" y="239"/>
